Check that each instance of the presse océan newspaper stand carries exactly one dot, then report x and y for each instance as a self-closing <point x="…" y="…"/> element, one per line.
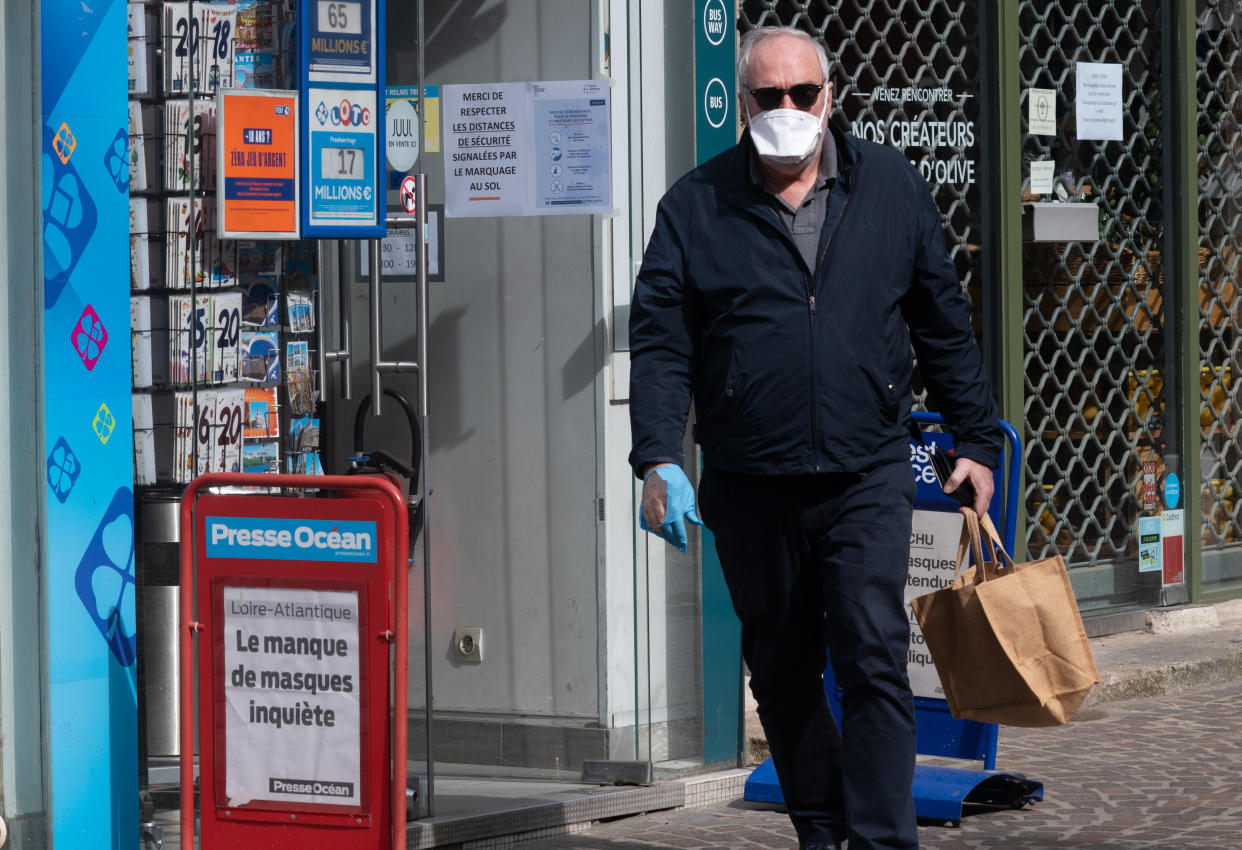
<point x="298" y="605"/>
<point x="939" y="792"/>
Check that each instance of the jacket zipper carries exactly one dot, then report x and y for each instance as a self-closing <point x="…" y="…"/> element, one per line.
<point x="814" y="381"/>
<point x="811" y="306"/>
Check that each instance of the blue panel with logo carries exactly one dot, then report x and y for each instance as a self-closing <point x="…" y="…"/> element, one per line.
<point x="91" y="628"/>
<point x="927" y="494"/>
<point x="339" y="37"/>
<point x="342" y="162"/>
<point x="105" y="578"/>
<point x="271" y="538"/>
<point x="69" y="212"/>
<point x="714" y="131"/>
<point x="715" y="86"/>
<point x="341" y="80"/>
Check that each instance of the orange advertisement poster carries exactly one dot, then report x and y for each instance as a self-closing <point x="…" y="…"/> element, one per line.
<point x="258" y="167"/>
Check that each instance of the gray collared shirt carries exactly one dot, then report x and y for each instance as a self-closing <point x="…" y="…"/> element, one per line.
<point x="804" y="223"/>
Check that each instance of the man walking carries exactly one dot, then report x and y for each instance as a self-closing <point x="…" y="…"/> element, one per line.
<point x="783" y="286"/>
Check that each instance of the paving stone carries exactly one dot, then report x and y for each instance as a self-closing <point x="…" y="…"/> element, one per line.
<point x="1150" y="774"/>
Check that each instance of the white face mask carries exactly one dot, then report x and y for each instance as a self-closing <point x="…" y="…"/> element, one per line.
<point x="785" y="136"/>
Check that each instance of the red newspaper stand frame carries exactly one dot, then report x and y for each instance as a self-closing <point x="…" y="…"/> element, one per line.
<point x="301" y="554"/>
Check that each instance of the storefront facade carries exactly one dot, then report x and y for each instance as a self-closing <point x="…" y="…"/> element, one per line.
<point x="1113" y="351"/>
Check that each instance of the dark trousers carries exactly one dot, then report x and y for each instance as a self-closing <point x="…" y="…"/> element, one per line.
<point x="817" y="563"/>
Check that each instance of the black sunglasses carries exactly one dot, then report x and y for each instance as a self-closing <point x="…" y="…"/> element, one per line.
<point x="803" y="95"/>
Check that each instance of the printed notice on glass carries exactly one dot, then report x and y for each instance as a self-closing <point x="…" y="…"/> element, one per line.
<point x="292" y="696"/>
<point x="1041" y="112"/>
<point x="934" y="536"/>
<point x="1041" y="177"/>
<point x="1149" y="529"/>
<point x="399" y="251"/>
<point x="573" y="168"/>
<point x="1097" y="101"/>
<point x="539" y="148"/>
<point x="486" y="149"/>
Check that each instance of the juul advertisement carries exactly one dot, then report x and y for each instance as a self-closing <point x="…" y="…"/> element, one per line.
<point x="927" y="124"/>
<point x="292" y="695"/>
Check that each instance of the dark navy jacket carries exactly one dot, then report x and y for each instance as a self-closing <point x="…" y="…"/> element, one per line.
<point x="796" y="370"/>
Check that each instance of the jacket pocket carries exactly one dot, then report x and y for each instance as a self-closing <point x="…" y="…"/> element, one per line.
<point x="718" y="396"/>
<point x="885" y="390"/>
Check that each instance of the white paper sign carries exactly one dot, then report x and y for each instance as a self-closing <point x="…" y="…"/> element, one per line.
<point x="399" y="252"/>
<point x="292" y="696"/>
<point x="527" y="148"/>
<point x="1097" y="101"/>
<point x="1041" y="110"/>
<point x="1041" y="177"/>
<point x="572" y="147"/>
<point x="486" y="149"/>
<point x="933" y="556"/>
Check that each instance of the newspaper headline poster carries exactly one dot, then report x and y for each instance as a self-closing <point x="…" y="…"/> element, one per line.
<point x="934" y="537"/>
<point x="292" y="696"/>
<point x="541" y="148"/>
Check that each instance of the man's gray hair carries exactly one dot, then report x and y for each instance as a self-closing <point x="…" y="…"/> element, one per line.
<point x="753" y="37"/>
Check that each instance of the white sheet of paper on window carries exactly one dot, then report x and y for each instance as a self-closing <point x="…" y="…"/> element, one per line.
<point x="541" y="148"/>
<point x="1041" y="112"/>
<point x="1041" y="177"/>
<point x="1097" y="100"/>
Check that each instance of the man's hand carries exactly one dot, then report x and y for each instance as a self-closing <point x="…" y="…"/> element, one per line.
<point x="980" y="478"/>
<point x="668" y="500"/>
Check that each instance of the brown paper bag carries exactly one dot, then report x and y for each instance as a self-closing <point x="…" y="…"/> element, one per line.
<point x="1007" y="639"/>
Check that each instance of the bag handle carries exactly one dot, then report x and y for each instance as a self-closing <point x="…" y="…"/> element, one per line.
<point x="985" y="523"/>
<point x="969" y="539"/>
<point x="975" y="531"/>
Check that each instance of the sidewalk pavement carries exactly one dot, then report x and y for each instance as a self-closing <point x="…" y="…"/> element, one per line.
<point x="1152" y="760"/>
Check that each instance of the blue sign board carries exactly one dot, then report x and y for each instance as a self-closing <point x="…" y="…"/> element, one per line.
<point x="88" y="541"/>
<point x="340" y="75"/>
<point x="1172" y="490"/>
<point x="276" y="539"/>
<point x="341" y="41"/>
<point x="343" y="175"/>
<point x="927" y="494"/>
<point x="715" y="86"/>
<point x="715" y="130"/>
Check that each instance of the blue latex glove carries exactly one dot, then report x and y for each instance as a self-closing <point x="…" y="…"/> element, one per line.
<point x="667" y="487"/>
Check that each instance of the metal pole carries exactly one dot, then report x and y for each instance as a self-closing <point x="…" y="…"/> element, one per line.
<point x="420" y="215"/>
<point x="343" y="355"/>
<point x="321" y="327"/>
<point x="376" y="390"/>
<point x="420" y="233"/>
<point x="343" y="308"/>
<point x="192" y="239"/>
<point x="378" y="364"/>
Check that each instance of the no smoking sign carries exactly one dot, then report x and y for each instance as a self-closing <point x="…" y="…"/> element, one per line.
<point x="407" y="195"/>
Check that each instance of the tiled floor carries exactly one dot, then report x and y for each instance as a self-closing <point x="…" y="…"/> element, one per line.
<point x="1139" y="775"/>
<point x="488" y="812"/>
<point x="1145" y="774"/>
